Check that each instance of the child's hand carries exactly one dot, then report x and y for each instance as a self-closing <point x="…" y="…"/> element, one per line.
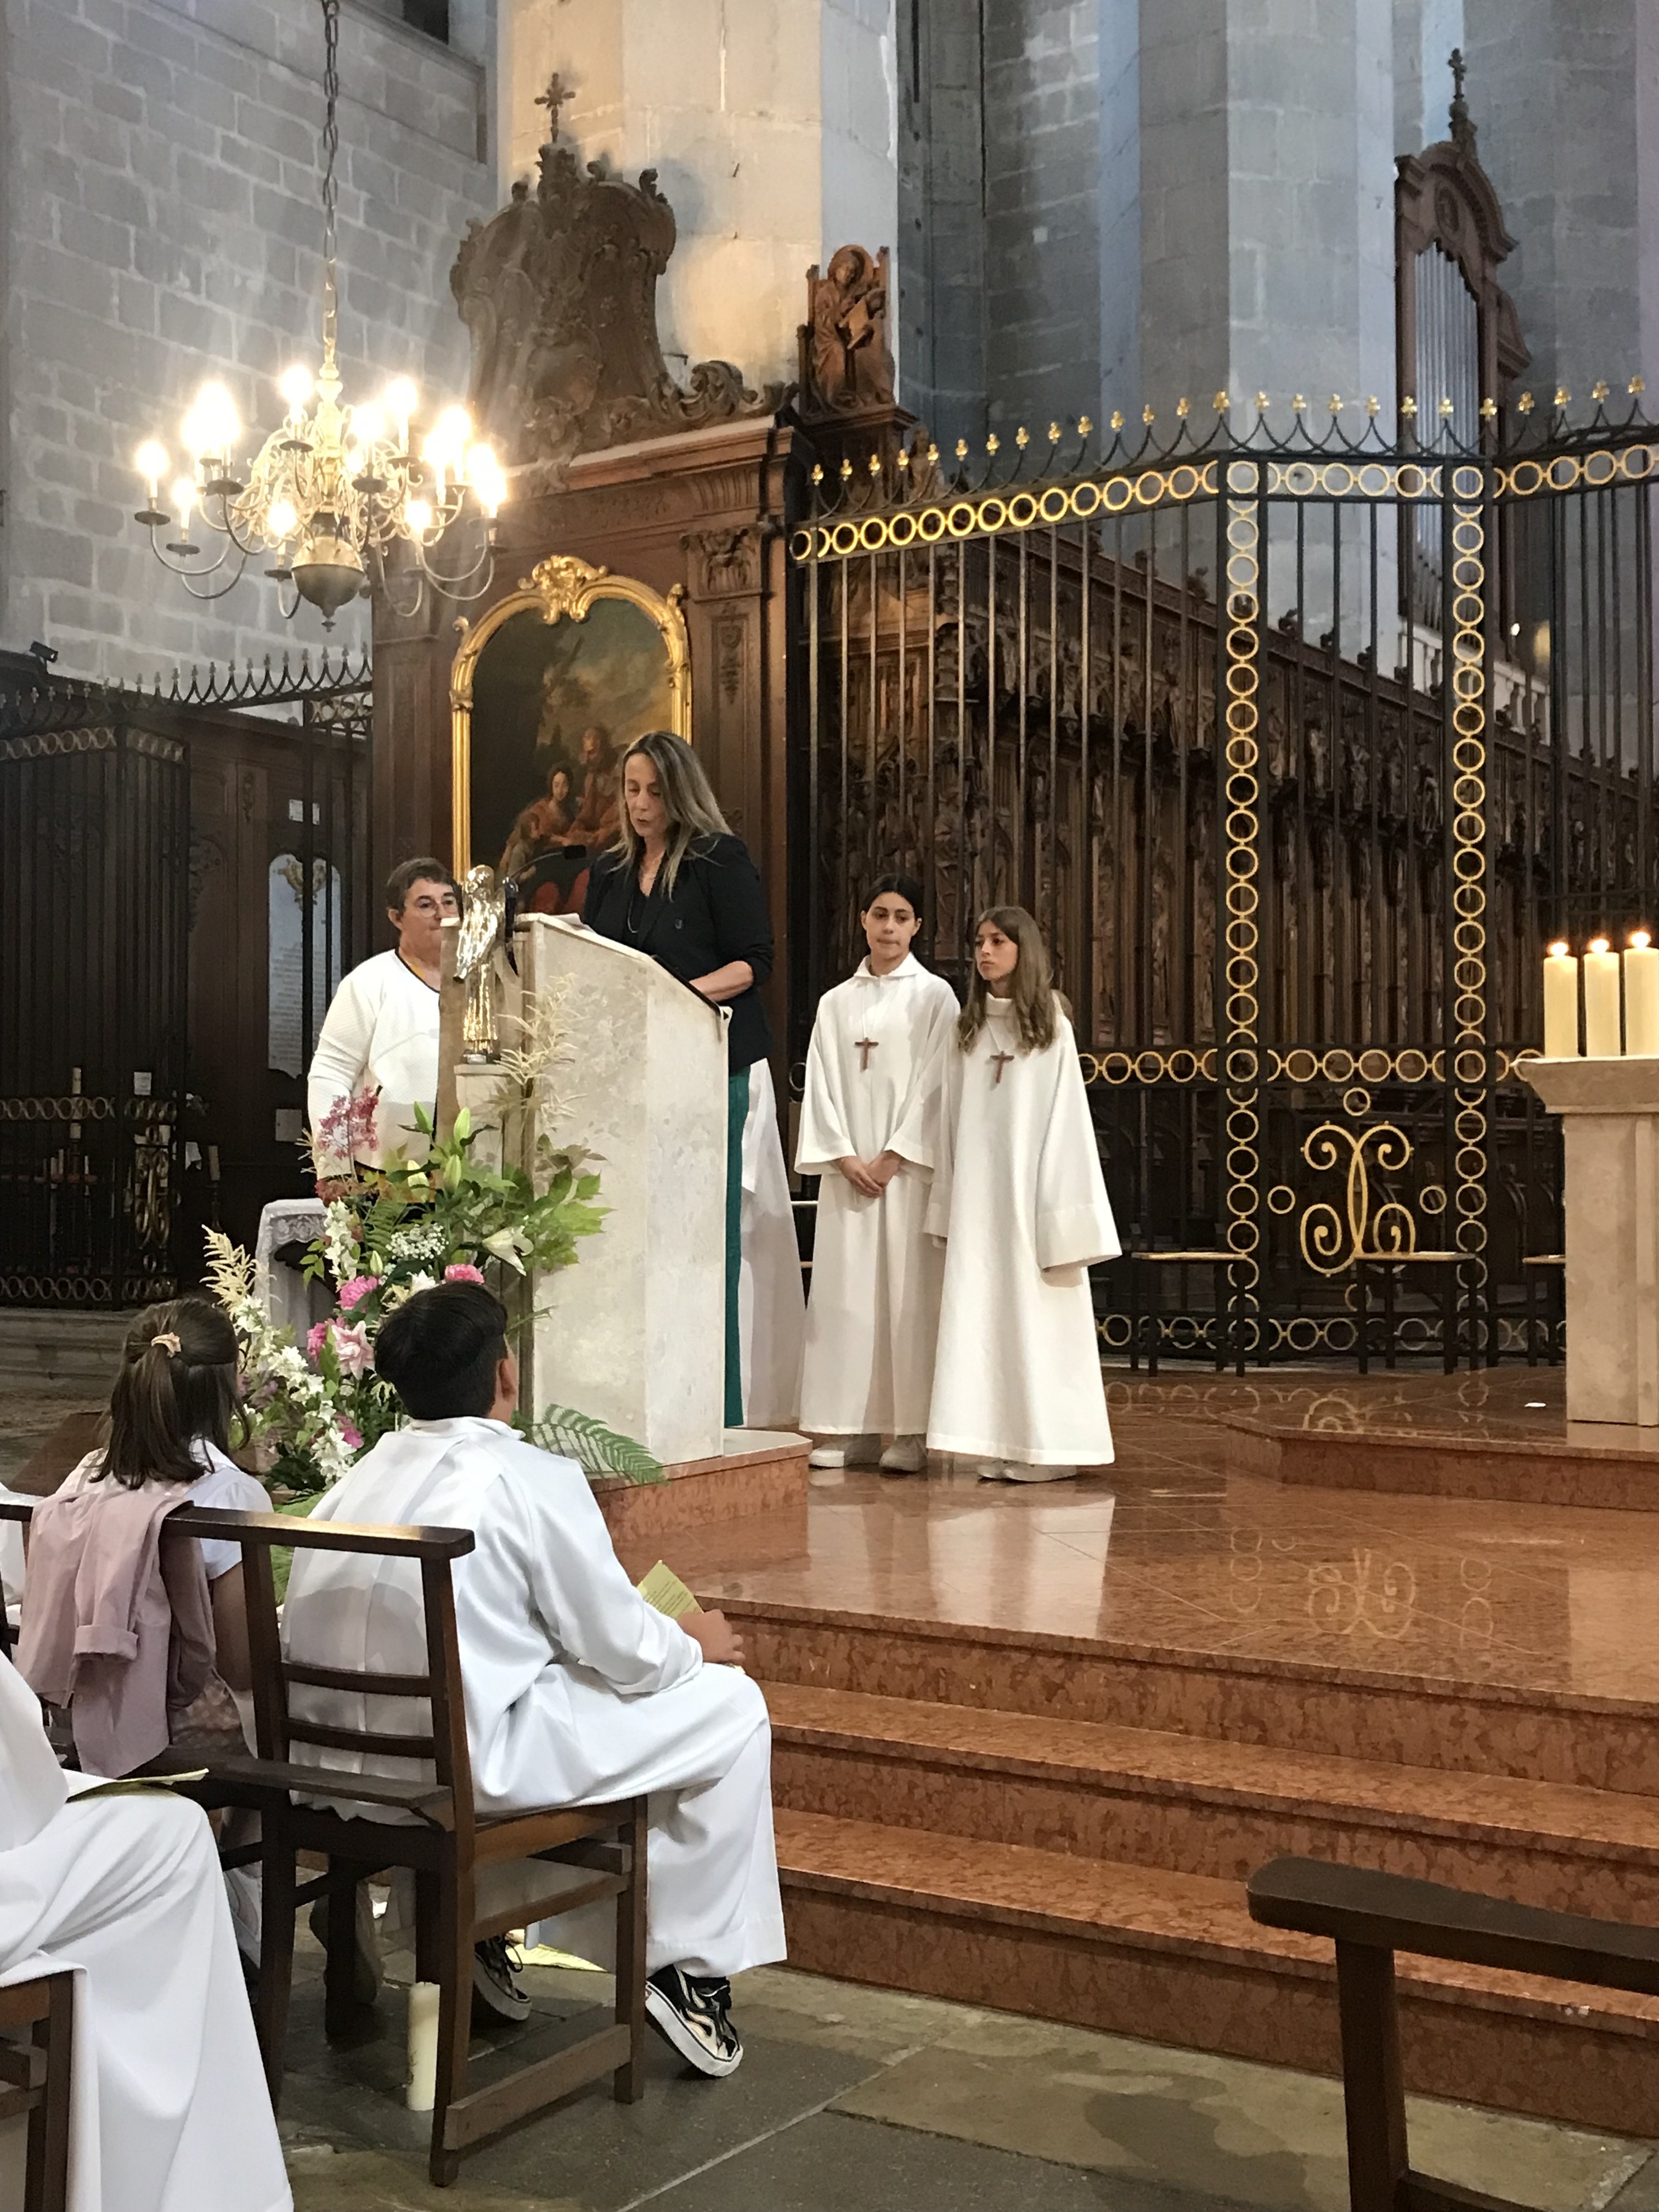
<point x="858" y="1173"/>
<point x="883" y="1168"/>
<point x="720" y="1643"/>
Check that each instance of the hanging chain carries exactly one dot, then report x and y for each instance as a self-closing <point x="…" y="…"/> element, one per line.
<point x="330" y="185"/>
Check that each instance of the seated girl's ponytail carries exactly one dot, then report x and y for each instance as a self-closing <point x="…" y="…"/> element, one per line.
<point x="176" y="1384"/>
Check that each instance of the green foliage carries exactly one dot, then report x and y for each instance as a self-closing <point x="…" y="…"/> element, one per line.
<point x="595" y="1449"/>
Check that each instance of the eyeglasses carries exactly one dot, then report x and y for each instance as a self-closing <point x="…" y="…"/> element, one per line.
<point x="446" y="904"/>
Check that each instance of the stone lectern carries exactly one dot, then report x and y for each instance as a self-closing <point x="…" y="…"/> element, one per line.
<point x="633" y="1334"/>
<point x="1609" y="1112"/>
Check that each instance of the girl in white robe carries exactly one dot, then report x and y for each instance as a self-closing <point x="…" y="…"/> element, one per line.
<point x="168" y="2108"/>
<point x="868" y="1130"/>
<point x="1018" y="1196"/>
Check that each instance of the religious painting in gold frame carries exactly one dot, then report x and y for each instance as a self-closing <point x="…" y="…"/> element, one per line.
<point x="547" y="692"/>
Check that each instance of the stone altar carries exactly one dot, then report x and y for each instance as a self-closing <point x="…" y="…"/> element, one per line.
<point x="634" y="1334"/>
<point x="1609" y="1112"/>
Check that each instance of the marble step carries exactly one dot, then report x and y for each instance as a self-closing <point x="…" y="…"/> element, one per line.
<point x="62" y="1347"/>
<point x="1205" y="1808"/>
<point x="1463" y="1724"/>
<point x="1174" y="1958"/>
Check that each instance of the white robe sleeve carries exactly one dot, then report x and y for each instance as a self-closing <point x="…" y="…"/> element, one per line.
<point x="946" y="1078"/>
<point x="594" y="1612"/>
<point x="1074" y="1224"/>
<point x="823" y="1137"/>
<point x="341" y="1059"/>
<point x="916" y="1135"/>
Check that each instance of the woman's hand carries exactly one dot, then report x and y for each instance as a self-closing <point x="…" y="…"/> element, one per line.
<point x="714" y="1636"/>
<point x="861" y="1176"/>
<point x="722" y="984"/>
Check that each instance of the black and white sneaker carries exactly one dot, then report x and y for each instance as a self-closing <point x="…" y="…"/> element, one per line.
<point x="496" y="1995"/>
<point x="694" y="2015"/>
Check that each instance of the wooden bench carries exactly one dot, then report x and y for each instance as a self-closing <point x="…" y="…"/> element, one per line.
<point x="34" y="2078"/>
<point x="474" y="1878"/>
<point x="1369" y="1916"/>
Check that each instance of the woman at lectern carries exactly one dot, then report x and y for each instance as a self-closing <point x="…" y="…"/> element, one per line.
<point x="677" y="885"/>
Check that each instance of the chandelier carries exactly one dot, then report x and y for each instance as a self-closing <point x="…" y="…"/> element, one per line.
<point x="335" y="488"/>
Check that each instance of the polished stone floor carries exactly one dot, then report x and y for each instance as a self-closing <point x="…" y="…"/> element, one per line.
<point x="1168" y="1550"/>
<point x="855" y="2100"/>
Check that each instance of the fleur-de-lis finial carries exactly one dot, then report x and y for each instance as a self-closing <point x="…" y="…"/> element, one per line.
<point x="1022" y="437"/>
<point x="903" y="460"/>
<point x="1409" y="406"/>
<point x="1147" y="416"/>
<point x="1445" y="409"/>
<point x="1335" y="403"/>
<point x="1637" y="387"/>
<point x="1373" y="405"/>
<point x="1526" y="403"/>
<point x="1488" y="408"/>
<point x="845" y="468"/>
<point x="932" y="455"/>
<point x="1261" y="402"/>
<point x="875" y="465"/>
<point x="817" y="471"/>
<point x="1183" y="408"/>
<point x="1600" y="390"/>
<point x="1054" y="433"/>
<point x="1563" y="397"/>
<point x="1084" y="427"/>
<point x="993" y="444"/>
<point x="1221" y="403"/>
<point x="1117" y="418"/>
<point x="1298" y="405"/>
<point x="962" y="449"/>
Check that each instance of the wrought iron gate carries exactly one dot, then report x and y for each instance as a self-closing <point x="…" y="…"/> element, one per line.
<point x="1297" y="852"/>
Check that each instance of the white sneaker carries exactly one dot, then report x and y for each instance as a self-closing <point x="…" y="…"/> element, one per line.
<point x="990" y="1470"/>
<point x="905" y="1455"/>
<point x="1013" y="1471"/>
<point x="847" y="1451"/>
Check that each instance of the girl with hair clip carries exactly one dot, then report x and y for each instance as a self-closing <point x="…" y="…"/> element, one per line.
<point x="868" y="1131"/>
<point x="173" y="1413"/>
<point x="1019" y="1199"/>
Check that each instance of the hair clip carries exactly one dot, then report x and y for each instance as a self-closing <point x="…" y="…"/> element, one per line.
<point x="168" y="1341"/>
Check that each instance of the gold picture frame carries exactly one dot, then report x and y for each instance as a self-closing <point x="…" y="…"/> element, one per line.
<point x="559" y="586"/>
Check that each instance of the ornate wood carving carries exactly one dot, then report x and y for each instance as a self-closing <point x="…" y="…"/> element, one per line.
<point x="559" y="292"/>
<point x="724" y="561"/>
<point x="845" y="363"/>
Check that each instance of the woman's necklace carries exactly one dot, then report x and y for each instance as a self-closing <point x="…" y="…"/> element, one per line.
<point x="636" y="919"/>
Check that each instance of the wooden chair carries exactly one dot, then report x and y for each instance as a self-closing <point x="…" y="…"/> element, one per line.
<point x="1229" y="1332"/>
<point x="473" y="1878"/>
<point x="35" y="2078"/>
<point x="1369" y="1916"/>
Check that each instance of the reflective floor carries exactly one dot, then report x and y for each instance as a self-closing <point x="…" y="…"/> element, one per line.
<point x="1167" y="1549"/>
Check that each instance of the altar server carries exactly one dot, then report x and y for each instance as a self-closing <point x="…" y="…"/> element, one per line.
<point x="1019" y="1198"/>
<point x="379" y="1035"/>
<point x="868" y="1130"/>
<point x="577" y="1691"/>
<point x="168" y="2109"/>
<point x="679" y="886"/>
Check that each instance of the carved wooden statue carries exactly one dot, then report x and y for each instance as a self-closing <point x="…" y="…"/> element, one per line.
<point x="845" y="363"/>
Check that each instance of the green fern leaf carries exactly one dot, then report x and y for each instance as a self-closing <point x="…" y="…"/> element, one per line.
<point x="595" y="1449"/>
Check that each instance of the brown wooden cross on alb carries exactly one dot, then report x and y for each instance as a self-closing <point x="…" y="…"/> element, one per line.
<point x="999" y="1060"/>
<point x="865" y="1046"/>
<point x="553" y="99"/>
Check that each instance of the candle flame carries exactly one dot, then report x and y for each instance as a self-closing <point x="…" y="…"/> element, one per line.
<point x="1598" y="945"/>
<point x="1640" y="940"/>
<point x="1559" y="951"/>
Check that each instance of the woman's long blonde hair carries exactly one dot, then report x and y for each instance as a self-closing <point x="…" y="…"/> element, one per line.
<point x="693" y="809"/>
<point x="1036" y="1003"/>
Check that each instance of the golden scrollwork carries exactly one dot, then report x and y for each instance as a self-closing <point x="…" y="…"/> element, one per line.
<point x="555" y="588"/>
<point x="1332" y="1243"/>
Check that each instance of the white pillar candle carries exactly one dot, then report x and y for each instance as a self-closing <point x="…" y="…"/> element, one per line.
<point x="423" y="2090"/>
<point x="1601" y="1026"/>
<point x="1560" y="1005"/>
<point x="1642" y="996"/>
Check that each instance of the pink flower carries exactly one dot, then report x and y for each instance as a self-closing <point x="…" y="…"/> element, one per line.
<point x="352" y="1349"/>
<point x="316" y="1337"/>
<point x="354" y="1436"/>
<point x="463" y="1271"/>
<point x="354" y="1292"/>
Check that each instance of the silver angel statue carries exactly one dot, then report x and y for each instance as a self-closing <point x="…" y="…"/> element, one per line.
<point x="483" y="927"/>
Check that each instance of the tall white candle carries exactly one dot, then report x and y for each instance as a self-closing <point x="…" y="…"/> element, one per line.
<point x="1560" y="1005"/>
<point x="423" y="2091"/>
<point x="1601" y="1025"/>
<point x="1641" y="995"/>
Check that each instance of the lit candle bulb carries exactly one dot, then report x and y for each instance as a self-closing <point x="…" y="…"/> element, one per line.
<point x="1641" y="994"/>
<point x="1601" y="1028"/>
<point x="1560" y="1005"/>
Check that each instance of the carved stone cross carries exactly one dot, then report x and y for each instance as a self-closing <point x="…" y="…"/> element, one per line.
<point x="557" y="94"/>
<point x="865" y="1046"/>
<point x="999" y="1060"/>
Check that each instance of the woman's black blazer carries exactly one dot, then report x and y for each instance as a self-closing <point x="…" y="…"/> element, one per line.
<point x="715" y="913"/>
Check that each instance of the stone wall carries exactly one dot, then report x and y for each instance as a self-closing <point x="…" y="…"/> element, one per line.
<point x="161" y="225"/>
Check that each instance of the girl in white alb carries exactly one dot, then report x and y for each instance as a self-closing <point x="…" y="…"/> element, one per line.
<point x="868" y="1129"/>
<point x="1019" y="1199"/>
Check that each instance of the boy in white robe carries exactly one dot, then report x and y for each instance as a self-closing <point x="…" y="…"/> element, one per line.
<point x="168" y="2108"/>
<point x="577" y="1691"/>
<point x="868" y="1130"/>
<point x="1019" y="1198"/>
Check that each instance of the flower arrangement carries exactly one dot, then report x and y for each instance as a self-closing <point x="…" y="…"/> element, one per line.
<point x="387" y="1233"/>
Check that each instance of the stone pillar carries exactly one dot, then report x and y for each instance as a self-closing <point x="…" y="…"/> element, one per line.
<point x="1609" y="1112"/>
<point x="772" y="127"/>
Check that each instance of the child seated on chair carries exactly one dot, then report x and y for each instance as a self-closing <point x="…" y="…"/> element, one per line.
<point x="578" y="1693"/>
